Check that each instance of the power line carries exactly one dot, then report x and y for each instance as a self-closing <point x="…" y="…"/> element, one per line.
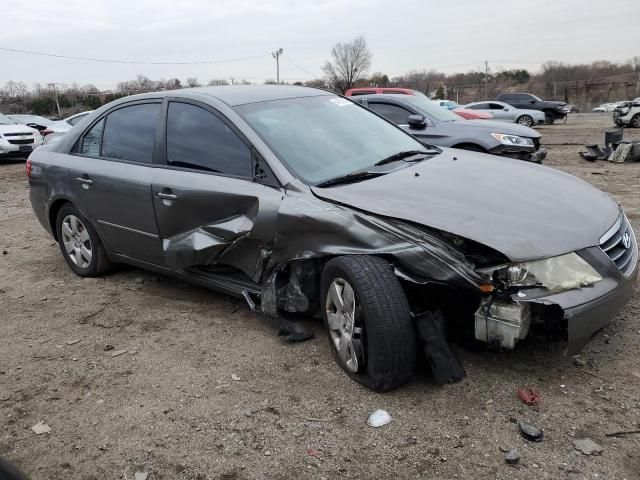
<point x="137" y="62"/>
<point x="313" y="75"/>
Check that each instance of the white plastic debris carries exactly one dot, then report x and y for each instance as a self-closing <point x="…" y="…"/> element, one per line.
<point x="235" y="377"/>
<point x="40" y="428"/>
<point x="379" y="418"/>
<point x="141" y="475"/>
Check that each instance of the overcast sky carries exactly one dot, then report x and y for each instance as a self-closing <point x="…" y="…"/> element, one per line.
<point x="453" y="35"/>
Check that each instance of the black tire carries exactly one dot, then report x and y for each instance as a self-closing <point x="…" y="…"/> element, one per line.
<point x="549" y="118"/>
<point x="388" y="340"/>
<point x="99" y="262"/>
<point x="635" y="121"/>
<point x="525" y="120"/>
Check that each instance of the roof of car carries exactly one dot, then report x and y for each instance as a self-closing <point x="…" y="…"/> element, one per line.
<point x="234" y="95"/>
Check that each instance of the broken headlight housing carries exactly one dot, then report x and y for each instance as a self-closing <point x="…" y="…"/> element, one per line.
<point x="513" y="140"/>
<point x="556" y="274"/>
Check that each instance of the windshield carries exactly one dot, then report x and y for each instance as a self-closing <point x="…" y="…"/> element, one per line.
<point x="324" y="137"/>
<point x="431" y="108"/>
<point x="37" y="119"/>
<point x="4" y="120"/>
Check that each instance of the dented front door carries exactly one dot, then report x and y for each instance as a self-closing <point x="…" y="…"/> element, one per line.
<point x="211" y="220"/>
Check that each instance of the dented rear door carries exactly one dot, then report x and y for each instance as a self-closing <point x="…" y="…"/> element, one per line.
<point x="209" y="210"/>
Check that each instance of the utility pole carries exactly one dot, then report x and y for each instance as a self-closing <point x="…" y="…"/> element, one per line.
<point x="486" y="80"/>
<point x="55" y="92"/>
<point x="276" y="55"/>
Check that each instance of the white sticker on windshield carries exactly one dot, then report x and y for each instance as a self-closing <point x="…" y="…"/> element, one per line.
<point x="341" y="102"/>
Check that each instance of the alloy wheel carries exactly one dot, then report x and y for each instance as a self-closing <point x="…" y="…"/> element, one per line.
<point x="77" y="242"/>
<point x="345" y="326"/>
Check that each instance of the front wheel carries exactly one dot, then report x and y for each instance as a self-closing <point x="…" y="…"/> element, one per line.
<point x="525" y="120"/>
<point x="80" y="244"/>
<point x="635" y="121"/>
<point x="368" y="320"/>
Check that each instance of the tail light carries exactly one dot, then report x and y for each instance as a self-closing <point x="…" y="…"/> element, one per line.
<point x="28" y="168"/>
<point x="46" y="132"/>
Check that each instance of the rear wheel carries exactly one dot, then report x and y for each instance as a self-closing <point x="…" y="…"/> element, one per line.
<point x="79" y="243"/>
<point x="525" y="120"/>
<point x="368" y="320"/>
<point x="635" y="121"/>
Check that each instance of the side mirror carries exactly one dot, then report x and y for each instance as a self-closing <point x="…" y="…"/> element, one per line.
<point x="505" y="109"/>
<point x="532" y="101"/>
<point x="416" y="121"/>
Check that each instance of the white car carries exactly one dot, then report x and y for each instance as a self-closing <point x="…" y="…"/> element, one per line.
<point x="628" y="114"/>
<point x="607" y="107"/>
<point x="506" y="113"/>
<point x="17" y="140"/>
<point x="54" y="131"/>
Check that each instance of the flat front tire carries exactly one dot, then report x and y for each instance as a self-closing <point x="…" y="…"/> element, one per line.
<point x="79" y="243"/>
<point x="368" y="320"/>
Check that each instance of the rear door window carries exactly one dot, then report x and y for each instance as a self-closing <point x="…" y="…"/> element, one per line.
<point x="130" y="133"/>
<point x="394" y="113"/>
<point x="199" y="139"/>
<point x="92" y="140"/>
<point x="479" y="106"/>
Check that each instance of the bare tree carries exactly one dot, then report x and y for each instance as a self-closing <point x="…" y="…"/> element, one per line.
<point x="193" y="82"/>
<point x="350" y="62"/>
<point x="217" y="81"/>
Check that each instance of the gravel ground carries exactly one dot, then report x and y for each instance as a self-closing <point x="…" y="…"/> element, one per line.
<point x="206" y="389"/>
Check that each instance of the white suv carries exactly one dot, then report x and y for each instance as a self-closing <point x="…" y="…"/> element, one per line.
<point x="628" y="114"/>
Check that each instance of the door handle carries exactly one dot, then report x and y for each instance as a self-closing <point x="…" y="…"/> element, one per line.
<point x="86" y="181"/>
<point x="166" y="196"/>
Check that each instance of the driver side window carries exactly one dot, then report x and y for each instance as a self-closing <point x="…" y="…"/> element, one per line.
<point x="394" y="113"/>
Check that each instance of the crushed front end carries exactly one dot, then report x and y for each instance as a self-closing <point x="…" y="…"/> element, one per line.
<point x="569" y="297"/>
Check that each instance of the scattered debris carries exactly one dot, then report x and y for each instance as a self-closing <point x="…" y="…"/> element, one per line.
<point x="72" y="342"/>
<point x="446" y="368"/>
<point x="529" y="396"/>
<point x="141" y="475"/>
<point x="530" y="432"/>
<point x="294" y="331"/>
<point x="5" y="397"/>
<point x="622" y="433"/>
<point x="578" y="362"/>
<point x="108" y="347"/>
<point x="267" y="453"/>
<point x="40" y="428"/>
<point x="312" y="452"/>
<point x="139" y="280"/>
<point x="235" y="377"/>
<point x="587" y="446"/>
<point x="379" y="418"/>
<point x="512" y="457"/>
<point x="320" y="420"/>
<point x="117" y="353"/>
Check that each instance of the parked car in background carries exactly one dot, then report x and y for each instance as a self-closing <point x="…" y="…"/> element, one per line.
<point x="38" y="122"/>
<point x="373" y="232"/>
<point x="627" y="114"/>
<point x="17" y="140"/>
<point x="552" y="110"/>
<point x="607" y="107"/>
<point x="352" y="92"/>
<point x="54" y="131"/>
<point x="505" y="112"/>
<point x="434" y="125"/>
<point x="472" y="114"/>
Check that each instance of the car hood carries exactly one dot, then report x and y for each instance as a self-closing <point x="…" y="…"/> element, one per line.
<point x="523" y="210"/>
<point x="494" y="126"/>
<point x="16" y="129"/>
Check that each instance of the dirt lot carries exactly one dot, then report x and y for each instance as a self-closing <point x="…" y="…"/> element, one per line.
<point x="206" y="389"/>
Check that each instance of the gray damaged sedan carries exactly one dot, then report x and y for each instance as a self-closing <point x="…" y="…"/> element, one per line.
<point x="301" y="201"/>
